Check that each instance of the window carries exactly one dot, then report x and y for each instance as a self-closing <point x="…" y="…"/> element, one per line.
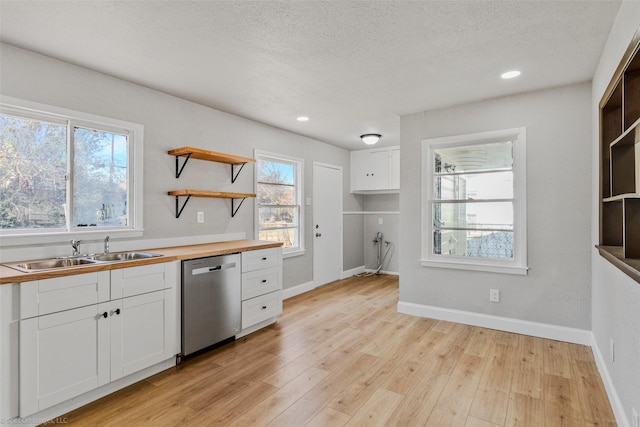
<point x="474" y="207"/>
<point x="66" y="172"/>
<point x="279" y="195"/>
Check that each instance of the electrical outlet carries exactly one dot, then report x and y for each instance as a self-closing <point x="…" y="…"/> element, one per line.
<point x="379" y="221"/>
<point x="200" y="216"/>
<point x="612" y="350"/>
<point x="494" y="295"/>
<point x="635" y="420"/>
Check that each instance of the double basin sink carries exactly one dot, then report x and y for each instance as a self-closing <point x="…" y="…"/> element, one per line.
<point x="54" y="263"/>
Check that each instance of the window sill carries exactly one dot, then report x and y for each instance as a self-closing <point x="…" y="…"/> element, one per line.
<point x="614" y="254"/>
<point x="489" y="268"/>
<point x="292" y="254"/>
<point x="64" y="237"/>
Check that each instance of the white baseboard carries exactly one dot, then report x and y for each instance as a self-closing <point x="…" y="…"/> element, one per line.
<point x="524" y="327"/>
<point x="352" y="272"/>
<point x="392" y="273"/>
<point x="614" y="399"/>
<point x="297" y="290"/>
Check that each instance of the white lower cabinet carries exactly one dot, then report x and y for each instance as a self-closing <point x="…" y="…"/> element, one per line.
<point x="141" y="332"/>
<point x="261" y="288"/>
<point x="70" y="352"/>
<point x="62" y="355"/>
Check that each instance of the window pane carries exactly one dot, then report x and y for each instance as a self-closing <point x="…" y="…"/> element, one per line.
<point x="270" y="194"/>
<point x="33" y="158"/>
<point x="287" y="236"/>
<point x="100" y="178"/>
<point x="277" y="217"/>
<point x="276" y="172"/>
<point x="477" y="157"/>
<point x="474" y="243"/>
<point x="482" y="215"/>
<point x="492" y="185"/>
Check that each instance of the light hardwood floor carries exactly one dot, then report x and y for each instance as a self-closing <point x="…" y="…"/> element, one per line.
<point x="342" y="356"/>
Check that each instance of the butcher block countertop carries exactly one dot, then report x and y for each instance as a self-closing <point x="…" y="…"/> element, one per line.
<point x="175" y="253"/>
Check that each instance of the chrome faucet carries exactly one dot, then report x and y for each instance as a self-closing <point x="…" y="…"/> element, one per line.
<point x="106" y="245"/>
<point x="75" y="244"/>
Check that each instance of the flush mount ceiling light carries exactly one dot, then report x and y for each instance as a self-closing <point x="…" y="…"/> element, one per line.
<point x="370" y="138"/>
<point x="510" y="74"/>
<point x="302" y="119"/>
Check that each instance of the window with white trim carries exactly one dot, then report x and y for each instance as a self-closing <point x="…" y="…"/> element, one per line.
<point x="474" y="206"/>
<point x="65" y="172"/>
<point x="279" y="200"/>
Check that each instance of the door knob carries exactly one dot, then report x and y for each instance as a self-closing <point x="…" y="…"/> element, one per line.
<point x="318" y="234"/>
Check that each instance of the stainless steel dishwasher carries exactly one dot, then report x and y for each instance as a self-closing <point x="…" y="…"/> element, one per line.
<point x="211" y="301"/>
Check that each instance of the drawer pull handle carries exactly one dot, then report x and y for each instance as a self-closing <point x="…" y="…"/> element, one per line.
<point x="264" y="258"/>
<point x="264" y="280"/>
<point x="264" y="307"/>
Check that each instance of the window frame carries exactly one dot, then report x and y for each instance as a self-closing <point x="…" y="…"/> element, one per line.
<point x="299" y="187"/>
<point x="71" y="118"/>
<point x="517" y="265"/>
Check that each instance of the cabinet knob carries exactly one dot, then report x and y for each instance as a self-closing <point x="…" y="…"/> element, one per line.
<point x="116" y="311"/>
<point x="105" y="315"/>
<point x="264" y="280"/>
<point x="264" y="307"/>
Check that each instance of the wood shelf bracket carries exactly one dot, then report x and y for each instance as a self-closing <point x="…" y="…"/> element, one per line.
<point x="178" y="168"/>
<point x="234" y="176"/>
<point x="178" y="208"/>
<point x="235" y="211"/>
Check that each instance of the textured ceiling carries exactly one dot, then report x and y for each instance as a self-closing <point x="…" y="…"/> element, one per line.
<point x="352" y="66"/>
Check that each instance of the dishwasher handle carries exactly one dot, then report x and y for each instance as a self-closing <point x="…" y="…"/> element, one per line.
<point x="212" y="268"/>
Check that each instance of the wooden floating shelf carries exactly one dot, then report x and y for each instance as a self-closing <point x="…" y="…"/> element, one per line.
<point x="211" y="156"/>
<point x="213" y="194"/>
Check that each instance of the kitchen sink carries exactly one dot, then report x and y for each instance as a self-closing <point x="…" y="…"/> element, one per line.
<point x="54" y="263"/>
<point x="122" y="256"/>
<point x="48" y="264"/>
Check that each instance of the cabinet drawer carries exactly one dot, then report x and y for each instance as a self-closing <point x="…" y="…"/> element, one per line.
<point x="262" y="258"/>
<point x="260" y="282"/>
<point x="257" y="309"/>
<point x="48" y="296"/>
<point x="126" y="282"/>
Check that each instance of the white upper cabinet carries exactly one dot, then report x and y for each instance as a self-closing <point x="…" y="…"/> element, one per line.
<point x="375" y="170"/>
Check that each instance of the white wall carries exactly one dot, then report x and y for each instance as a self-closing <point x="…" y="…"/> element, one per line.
<point x="169" y="123"/>
<point x="557" y="289"/>
<point x="615" y="297"/>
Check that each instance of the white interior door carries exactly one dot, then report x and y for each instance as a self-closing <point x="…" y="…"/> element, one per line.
<point x="327" y="223"/>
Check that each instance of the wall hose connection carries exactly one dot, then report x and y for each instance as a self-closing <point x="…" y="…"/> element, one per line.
<point x="379" y="241"/>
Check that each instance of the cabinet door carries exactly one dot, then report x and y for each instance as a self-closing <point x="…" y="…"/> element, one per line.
<point x="62" y="355"/>
<point x="260" y="282"/>
<point x="358" y="170"/>
<point x="141" y="332"/>
<point x="370" y="170"/>
<point x="258" y="309"/>
<point x="378" y="170"/>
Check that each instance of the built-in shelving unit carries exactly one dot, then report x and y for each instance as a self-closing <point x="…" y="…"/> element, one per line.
<point x="211" y="156"/>
<point x="620" y="165"/>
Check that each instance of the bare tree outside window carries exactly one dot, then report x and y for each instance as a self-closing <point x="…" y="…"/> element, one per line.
<point x="33" y="164"/>
<point x="277" y="198"/>
<point x="35" y="174"/>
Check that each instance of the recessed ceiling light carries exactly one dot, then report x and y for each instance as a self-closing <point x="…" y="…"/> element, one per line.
<point x="303" y="119"/>
<point x="510" y="74"/>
